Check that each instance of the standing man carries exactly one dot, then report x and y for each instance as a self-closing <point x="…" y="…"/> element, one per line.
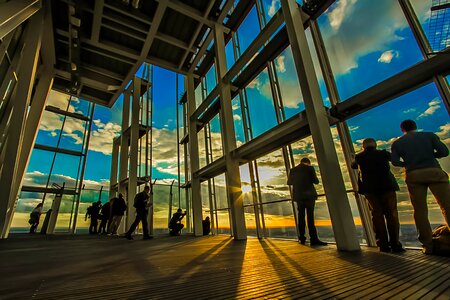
<point x="117" y="210"/>
<point x="141" y="205"/>
<point x="378" y="185"/>
<point x="419" y="152"/>
<point x="303" y="177"/>
<point x="105" y="217"/>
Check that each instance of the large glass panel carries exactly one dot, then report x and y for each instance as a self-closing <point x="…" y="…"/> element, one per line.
<point x="260" y="104"/>
<point x="323" y="220"/>
<point x="364" y="50"/>
<point x="216" y="138"/>
<point x="64" y="219"/>
<point x="202" y="147"/>
<point x="161" y="199"/>
<point x="425" y="106"/>
<point x="279" y="220"/>
<point x="238" y="122"/>
<point x="434" y="16"/>
<point x="49" y="129"/>
<point x="223" y="226"/>
<point x="272" y="177"/>
<point x="220" y="192"/>
<point x="248" y="30"/>
<point x="210" y="79"/>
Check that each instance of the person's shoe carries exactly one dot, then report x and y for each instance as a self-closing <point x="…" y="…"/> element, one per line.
<point x="302" y="240"/>
<point x="148" y="237"/>
<point x="398" y="249"/>
<point x="128" y="237"/>
<point x="386" y="249"/>
<point x="427" y="250"/>
<point x="318" y="243"/>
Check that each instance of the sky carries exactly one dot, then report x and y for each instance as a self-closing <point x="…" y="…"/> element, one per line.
<point x="363" y="51"/>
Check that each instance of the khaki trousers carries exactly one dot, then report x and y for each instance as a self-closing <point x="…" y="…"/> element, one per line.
<point x="418" y="182"/>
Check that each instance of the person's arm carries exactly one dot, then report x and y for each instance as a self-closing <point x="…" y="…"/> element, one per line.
<point x="289" y="181"/>
<point x="314" y="176"/>
<point x="440" y="147"/>
<point x="395" y="157"/>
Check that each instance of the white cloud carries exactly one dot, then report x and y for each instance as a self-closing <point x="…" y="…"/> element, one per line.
<point x="236" y="117"/>
<point x="342" y="10"/>
<point x="410" y="110"/>
<point x="273" y="8"/>
<point x="353" y="32"/>
<point x="280" y="64"/>
<point x="387" y="56"/>
<point x="433" y="106"/>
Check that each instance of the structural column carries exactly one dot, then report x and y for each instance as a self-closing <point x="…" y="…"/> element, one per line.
<point x="123" y="158"/>
<point x="21" y="101"/>
<point x="134" y="139"/>
<point x="194" y="158"/>
<point x="344" y="133"/>
<point x="232" y="175"/>
<point x="31" y="129"/>
<point x="114" y="168"/>
<point x="338" y="204"/>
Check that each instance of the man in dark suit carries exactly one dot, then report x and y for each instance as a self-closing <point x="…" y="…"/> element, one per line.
<point x="302" y="178"/>
<point x="378" y="185"/>
<point x="141" y="205"/>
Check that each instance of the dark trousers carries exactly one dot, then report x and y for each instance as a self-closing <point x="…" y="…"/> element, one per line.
<point x="34" y="227"/>
<point x="308" y="206"/>
<point x="103" y="224"/>
<point x="176" y="228"/>
<point x="384" y="206"/>
<point x="140" y="217"/>
<point x="93" y="226"/>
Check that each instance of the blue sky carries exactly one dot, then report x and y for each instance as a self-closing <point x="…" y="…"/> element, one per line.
<point x="363" y="50"/>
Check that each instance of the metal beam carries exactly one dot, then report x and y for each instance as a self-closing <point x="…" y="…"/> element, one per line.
<point x="333" y="182"/>
<point x="21" y="101"/>
<point x="189" y="11"/>
<point x="14" y="13"/>
<point x="145" y="49"/>
<point x="196" y="32"/>
<point x="57" y="150"/>
<point x="97" y="20"/>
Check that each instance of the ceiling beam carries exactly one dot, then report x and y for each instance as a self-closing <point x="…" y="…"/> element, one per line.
<point x="226" y="8"/>
<point x="97" y="20"/>
<point x="14" y="13"/>
<point x="101" y="86"/>
<point x="197" y="31"/>
<point x="190" y="11"/>
<point x="160" y="10"/>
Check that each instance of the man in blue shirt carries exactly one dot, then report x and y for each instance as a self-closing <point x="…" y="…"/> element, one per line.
<point x="419" y="152"/>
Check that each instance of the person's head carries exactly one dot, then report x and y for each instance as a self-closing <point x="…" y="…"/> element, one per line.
<point x="39" y="205"/>
<point x="408" y="125"/>
<point x="147" y="189"/>
<point x="179" y="210"/>
<point x="305" y="161"/>
<point x="99" y="202"/>
<point x="369" y="143"/>
<point x="207" y="219"/>
<point x="120" y="195"/>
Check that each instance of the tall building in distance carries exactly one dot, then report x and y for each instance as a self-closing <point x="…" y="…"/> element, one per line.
<point x="439" y="26"/>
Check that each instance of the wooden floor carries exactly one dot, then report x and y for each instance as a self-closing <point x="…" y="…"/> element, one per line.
<point x="185" y="267"/>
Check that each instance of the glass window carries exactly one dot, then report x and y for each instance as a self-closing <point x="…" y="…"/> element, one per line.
<point x="272" y="177"/>
<point x="216" y="138"/>
<point x="260" y="104"/>
<point x="425" y="106"/>
<point x="248" y="30"/>
<point x="25" y="204"/>
<point x="238" y="122"/>
<point x="364" y="50"/>
<point x="279" y="220"/>
<point x="210" y="80"/>
<point x="434" y="16"/>
<point x="220" y="192"/>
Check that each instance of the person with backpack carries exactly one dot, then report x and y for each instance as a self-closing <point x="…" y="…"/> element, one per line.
<point x="117" y="211"/>
<point x="35" y="215"/>
<point x="93" y="212"/>
<point x="105" y="217"/>
<point x="141" y="205"/>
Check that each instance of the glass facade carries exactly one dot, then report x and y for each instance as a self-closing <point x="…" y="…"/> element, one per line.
<point x="354" y="57"/>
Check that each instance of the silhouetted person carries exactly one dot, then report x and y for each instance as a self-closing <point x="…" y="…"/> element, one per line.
<point x="141" y="205"/>
<point x="175" y="224"/>
<point x="419" y="152"/>
<point x="302" y="178"/>
<point x="105" y="217"/>
<point x="206" y="224"/>
<point x="378" y="185"/>
<point x="35" y="215"/>
<point x="118" y="209"/>
<point x="92" y="213"/>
